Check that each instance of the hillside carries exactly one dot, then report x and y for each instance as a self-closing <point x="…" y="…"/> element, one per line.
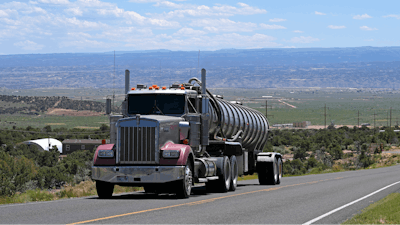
<point x="363" y="67"/>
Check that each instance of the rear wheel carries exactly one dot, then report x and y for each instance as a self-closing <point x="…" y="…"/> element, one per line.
<point x="223" y="184"/>
<point x="234" y="173"/>
<point x="268" y="172"/>
<point x="150" y="189"/>
<point x="184" y="187"/>
<point x="104" y="189"/>
<point x="280" y="170"/>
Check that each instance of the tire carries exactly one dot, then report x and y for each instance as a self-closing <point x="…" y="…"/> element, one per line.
<point x="184" y="186"/>
<point x="104" y="189"/>
<point x="234" y="173"/>
<point x="224" y="182"/>
<point x="280" y="170"/>
<point x="268" y="172"/>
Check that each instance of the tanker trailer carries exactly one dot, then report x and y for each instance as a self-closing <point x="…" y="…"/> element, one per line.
<point x="169" y="138"/>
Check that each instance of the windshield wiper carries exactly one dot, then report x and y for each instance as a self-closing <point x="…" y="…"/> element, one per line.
<point x="155" y="107"/>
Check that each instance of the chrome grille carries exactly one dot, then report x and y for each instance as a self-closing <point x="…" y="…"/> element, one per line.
<point x="138" y="145"/>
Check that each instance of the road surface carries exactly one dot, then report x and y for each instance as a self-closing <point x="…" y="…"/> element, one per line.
<point x="296" y="200"/>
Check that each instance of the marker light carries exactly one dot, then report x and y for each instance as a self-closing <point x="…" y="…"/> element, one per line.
<point x="182" y="88"/>
<point x="103" y="142"/>
<point x="150" y="88"/>
<point x="106" y="153"/>
<point x="164" y="88"/>
<point x="157" y="88"/>
<point x="154" y="85"/>
<point x="133" y="89"/>
<point x="186" y="141"/>
<point x="170" y="154"/>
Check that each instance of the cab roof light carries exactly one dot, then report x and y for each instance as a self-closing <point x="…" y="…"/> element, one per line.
<point x="133" y="89"/>
<point x="150" y="88"/>
<point x="157" y="88"/>
<point x="182" y="88"/>
<point x="164" y="88"/>
<point x="154" y="85"/>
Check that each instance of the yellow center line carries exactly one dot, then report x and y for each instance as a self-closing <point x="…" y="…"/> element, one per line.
<point x="200" y="202"/>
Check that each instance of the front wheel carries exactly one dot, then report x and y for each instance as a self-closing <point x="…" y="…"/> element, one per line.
<point x="184" y="187"/>
<point x="104" y="189"/>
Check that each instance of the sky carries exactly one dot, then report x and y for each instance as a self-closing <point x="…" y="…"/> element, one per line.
<point x="77" y="26"/>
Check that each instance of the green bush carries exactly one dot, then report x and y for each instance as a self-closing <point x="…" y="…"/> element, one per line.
<point x="38" y="195"/>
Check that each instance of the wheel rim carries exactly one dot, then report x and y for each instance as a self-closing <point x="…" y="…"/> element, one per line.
<point x="188" y="180"/>
<point x="276" y="171"/>
<point x="235" y="174"/>
<point x="228" y="175"/>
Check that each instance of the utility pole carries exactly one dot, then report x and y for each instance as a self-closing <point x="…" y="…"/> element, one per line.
<point x="325" y="114"/>
<point x="387" y="119"/>
<point x="390" y="117"/>
<point x="374" y="120"/>
<point x="266" y="109"/>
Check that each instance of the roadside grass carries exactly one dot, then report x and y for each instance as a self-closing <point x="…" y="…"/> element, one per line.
<point x="83" y="189"/>
<point x="88" y="188"/>
<point x="386" y="210"/>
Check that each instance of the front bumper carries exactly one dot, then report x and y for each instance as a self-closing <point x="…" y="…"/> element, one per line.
<point x="138" y="174"/>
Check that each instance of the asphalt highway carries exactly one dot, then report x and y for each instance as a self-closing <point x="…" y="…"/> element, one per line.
<point x="297" y="200"/>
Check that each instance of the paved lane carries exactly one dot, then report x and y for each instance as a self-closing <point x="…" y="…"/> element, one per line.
<point x="296" y="200"/>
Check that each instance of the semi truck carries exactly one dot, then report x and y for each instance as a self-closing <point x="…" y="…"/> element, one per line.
<point x="166" y="139"/>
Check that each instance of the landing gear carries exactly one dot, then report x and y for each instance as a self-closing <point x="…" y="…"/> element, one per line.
<point x="104" y="189"/>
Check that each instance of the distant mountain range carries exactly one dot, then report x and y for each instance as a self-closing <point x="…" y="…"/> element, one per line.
<point x="362" y="67"/>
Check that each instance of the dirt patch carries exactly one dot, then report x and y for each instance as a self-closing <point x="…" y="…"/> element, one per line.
<point x="55" y="124"/>
<point x="71" y="112"/>
<point x="83" y="127"/>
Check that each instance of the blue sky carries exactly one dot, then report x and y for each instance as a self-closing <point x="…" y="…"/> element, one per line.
<point x="63" y="26"/>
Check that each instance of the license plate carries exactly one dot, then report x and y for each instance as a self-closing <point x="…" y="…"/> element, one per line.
<point x="122" y="178"/>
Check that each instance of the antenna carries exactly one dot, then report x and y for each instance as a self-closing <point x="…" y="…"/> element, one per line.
<point x="114" y="82"/>
<point x="198" y="62"/>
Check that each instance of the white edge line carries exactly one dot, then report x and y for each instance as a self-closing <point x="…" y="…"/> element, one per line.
<point x="351" y="203"/>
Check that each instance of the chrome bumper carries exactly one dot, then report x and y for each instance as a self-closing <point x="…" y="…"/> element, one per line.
<point x="138" y="174"/>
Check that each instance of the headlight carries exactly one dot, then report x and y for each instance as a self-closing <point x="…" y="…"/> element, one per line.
<point x="106" y="153"/>
<point x="170" y="154"/>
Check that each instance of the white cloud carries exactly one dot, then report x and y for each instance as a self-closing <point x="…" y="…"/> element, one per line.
<point x="3" y="13"/>
<point x="132" y="16"/>
<point x="298" y="31"/>
<point x="223" y="25"/>
<point x="272" y="27"/>
<point x="29" y="45"/>
<point x="361" y="17"/>
<point x="33" y="2"/>
<point x="275" y="20"/>
<point x="85" y="43"/>
<point x="393" y="16"/>
<point x="189" y="32"/>
<point x="231" y="40"/>
<point x="74" y="11"/>
<point x="320" y="13"/>
<point x="336" y="27"/>
<point x="303" y="39"/>
<point x="244" y="10"/>
<point x="169" y="4"/>
<point x="81" y="23"/>
<point x="367" y="28"/>
<point x="145" y="1"/>
<point x="206" y="11"/>
<point x="94" y="4"/>
<point x="58" y="2"/>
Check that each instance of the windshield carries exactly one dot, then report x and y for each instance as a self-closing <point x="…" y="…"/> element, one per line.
<point x="161" y="104"/>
